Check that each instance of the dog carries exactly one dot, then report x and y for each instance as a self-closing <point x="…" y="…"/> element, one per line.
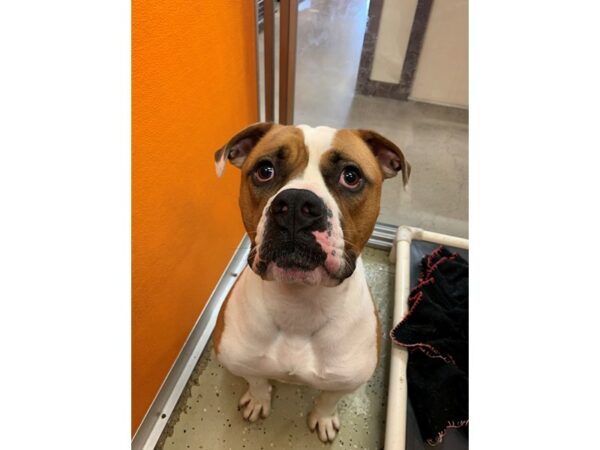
<point x="301" y="311"/>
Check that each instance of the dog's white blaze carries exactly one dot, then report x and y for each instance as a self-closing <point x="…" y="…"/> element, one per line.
<point x="317" y="141"/>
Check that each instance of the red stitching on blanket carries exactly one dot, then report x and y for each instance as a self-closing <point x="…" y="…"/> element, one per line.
<point x="429" y="258"/>
<point x="440" y="436"/>
<point x="415" y="301"/>
<point x="418" y="290"/>
<point x="441" y="260"/>
<point x="429" y="350"/>
<point x="429" y="266"/>
<point x="415" y="298"/>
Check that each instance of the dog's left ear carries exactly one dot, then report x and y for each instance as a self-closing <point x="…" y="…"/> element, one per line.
<point x="240" y="145"/>
<point x="390" y="157"/>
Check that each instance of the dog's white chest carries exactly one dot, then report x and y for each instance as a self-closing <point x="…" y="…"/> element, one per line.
<point x="292" y="358"/>
<point x="329" y="344"/>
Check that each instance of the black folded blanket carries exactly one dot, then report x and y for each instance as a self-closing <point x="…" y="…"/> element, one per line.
<point x="436" y="333"/>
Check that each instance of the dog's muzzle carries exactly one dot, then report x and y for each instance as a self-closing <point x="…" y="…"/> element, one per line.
<point x="289" y="239"/>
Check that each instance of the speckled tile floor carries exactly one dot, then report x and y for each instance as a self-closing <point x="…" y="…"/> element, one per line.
<point x="206" y="416"/>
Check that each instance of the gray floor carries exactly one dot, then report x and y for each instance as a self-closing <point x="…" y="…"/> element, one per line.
<point x="433" y="138"/>
<point x="206" y="416"/>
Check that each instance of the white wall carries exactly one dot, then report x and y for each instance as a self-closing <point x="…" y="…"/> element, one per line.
<point x="442" y="72"/>
<point x="394" y="30"/>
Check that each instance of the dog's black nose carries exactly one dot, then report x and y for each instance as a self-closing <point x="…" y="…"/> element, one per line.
<point x="297" y="210"/>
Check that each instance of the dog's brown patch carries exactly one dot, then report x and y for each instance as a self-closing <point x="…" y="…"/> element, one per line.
<point x="284" y="145"/>
<point x="359" y="210"/>
<point x="220" y="325"/>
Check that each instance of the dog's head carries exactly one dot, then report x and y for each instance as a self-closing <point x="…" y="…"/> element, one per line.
<point x="309" y="196"/>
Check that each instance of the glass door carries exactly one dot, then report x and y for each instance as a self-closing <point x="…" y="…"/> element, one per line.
<point x="399" y="67"/>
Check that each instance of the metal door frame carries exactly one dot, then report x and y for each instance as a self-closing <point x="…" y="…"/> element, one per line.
<point x="288" y="30"/>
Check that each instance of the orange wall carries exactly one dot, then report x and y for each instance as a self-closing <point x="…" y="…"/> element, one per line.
<point x="193" y="86"/>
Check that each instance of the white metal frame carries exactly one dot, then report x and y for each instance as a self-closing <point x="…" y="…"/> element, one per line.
<point x="395" y="433"/>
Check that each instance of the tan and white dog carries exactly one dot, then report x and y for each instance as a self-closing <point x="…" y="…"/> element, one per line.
<point x="301" y="312"/>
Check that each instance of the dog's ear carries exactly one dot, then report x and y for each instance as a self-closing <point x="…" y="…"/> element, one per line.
<point x="240" y="145"/>
<point x="390" y="157"/>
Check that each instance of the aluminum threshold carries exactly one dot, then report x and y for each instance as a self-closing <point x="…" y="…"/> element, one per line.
<point x="162" y="407"/>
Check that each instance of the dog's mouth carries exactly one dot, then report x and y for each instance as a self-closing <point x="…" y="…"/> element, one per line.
<point x="292" y="256"/>
<point x="297" y="262"/>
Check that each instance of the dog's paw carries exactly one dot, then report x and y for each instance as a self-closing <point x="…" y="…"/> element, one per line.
<point x="326" y="426"/>
<point x="254" y="406"/>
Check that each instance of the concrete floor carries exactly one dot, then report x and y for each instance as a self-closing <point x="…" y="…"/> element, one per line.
<point x="433" y="138"/>
<point x="206" y="416"/>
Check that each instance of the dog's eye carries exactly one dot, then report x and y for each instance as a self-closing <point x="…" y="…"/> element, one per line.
<point x="264" y="172"/>
<point x="350" y="178"/>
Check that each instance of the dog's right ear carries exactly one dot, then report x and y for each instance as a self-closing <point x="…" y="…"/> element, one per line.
<point x="240" y="145"/>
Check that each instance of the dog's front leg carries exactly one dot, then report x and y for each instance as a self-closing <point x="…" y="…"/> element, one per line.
<point x="323" y="416"/>
<point x="257" y="399"/>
